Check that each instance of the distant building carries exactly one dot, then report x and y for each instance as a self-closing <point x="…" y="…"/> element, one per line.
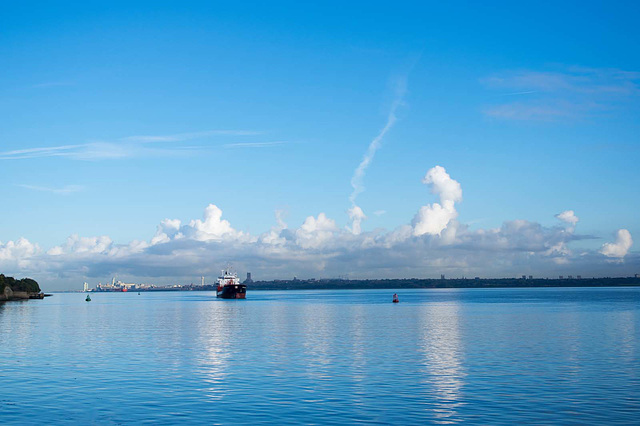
<point x="202" y="281"/>
<point x="248" y="280"/>
<point x="530" y="277"/>
<point x="116" y="286"/>
<point x="561" y="277"/>
<point x="442" y="277"/>
<point x="86" y="287"/>
<point x="579" y="277"/>
<point x="524" y="277"/>
<point x="570" y="277"/>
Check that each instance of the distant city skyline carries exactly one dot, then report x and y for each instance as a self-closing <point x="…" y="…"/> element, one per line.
<point x="161" y="142"/>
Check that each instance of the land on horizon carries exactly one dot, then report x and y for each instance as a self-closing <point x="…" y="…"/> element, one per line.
<point x="401" y="283"/>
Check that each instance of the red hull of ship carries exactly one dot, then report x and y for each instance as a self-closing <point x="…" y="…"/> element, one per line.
<point x="236" y="291"/>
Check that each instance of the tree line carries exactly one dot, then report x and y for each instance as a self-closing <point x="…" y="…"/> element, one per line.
<point x="25" y="284"/>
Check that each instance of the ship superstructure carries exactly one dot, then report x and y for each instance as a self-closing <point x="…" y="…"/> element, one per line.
<point x="229" y="286"/>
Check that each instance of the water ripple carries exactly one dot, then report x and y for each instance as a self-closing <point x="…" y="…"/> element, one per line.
<point x="440" y="356"/>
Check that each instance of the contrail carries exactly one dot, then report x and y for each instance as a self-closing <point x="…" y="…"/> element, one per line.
<point x="518" y="93"/>
<point x="355" y="212"/>
<point x="358" y="174"/>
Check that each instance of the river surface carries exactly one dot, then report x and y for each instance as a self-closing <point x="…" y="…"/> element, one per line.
<point x="487" y="356"/>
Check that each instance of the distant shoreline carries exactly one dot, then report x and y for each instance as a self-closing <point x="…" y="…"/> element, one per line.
<point x="443" y="283"/>
<point x="409" y="283"/>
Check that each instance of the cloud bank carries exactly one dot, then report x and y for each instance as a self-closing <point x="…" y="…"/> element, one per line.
<point x="433" y="243"/>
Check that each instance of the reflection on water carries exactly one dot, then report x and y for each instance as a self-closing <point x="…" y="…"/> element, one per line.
<point x="318" y="332"/>
<point x="215" y="328"/>
<point x="357" y="324"/>
<point x="442" y="352"/>
<point x="629" y="325"/>
<point x="440" y="356"/>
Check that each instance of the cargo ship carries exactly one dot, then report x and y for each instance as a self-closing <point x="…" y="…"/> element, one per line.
<point x="229" y="286"/>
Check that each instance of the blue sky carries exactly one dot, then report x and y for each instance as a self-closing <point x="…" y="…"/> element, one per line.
<point x="118" y="116"/>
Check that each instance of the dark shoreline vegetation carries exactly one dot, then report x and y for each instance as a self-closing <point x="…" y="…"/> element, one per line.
<point x="336" y="284"/>
<point x="13" y="289"/>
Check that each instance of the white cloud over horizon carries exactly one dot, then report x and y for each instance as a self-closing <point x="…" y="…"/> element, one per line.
<point x="434" y="243"/>
<point x="620" y="247"/>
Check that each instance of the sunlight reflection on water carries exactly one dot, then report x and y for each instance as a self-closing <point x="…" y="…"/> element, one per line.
<point x="442" y="351"/>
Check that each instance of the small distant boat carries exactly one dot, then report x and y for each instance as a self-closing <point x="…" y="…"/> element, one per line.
<point x="229" y="286"/>
<point x="88" y="299"/>
<point x="395" y="298"/>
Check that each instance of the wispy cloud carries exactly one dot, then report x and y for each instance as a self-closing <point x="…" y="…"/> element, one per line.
<point x="568" y="92"/>
<point x="87" y="151"/>
<point x="179" y="137"/>
<point x="356" y="214"/>
<point x="130" y="146"/>
<point x="528" y="92"/>
<point x="537" y="110"/>
<point x="374" y="145"/>
<point x="254" y="144"/>
<point x="65" y="190"/>
<point x="51" y="84"/>
<point x="51" y="151"/>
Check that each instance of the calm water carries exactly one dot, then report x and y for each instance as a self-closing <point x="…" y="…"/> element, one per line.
<point x="440" y="356"/>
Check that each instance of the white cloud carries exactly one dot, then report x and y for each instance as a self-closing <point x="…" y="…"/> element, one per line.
<point x="357" y="216"/>
<point x="79" y="245"/>
<point x="620" y="247"/>
<point x="568" y="216"/>
<point x="274" y="236"/>
<point x="315" y="232"/>
<point x="446" y="188"/>
<point x="167" y="230"/>
<point x="434" y="218"/>
<point x="19" y="249"/>
<point x="213" y="227"/>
